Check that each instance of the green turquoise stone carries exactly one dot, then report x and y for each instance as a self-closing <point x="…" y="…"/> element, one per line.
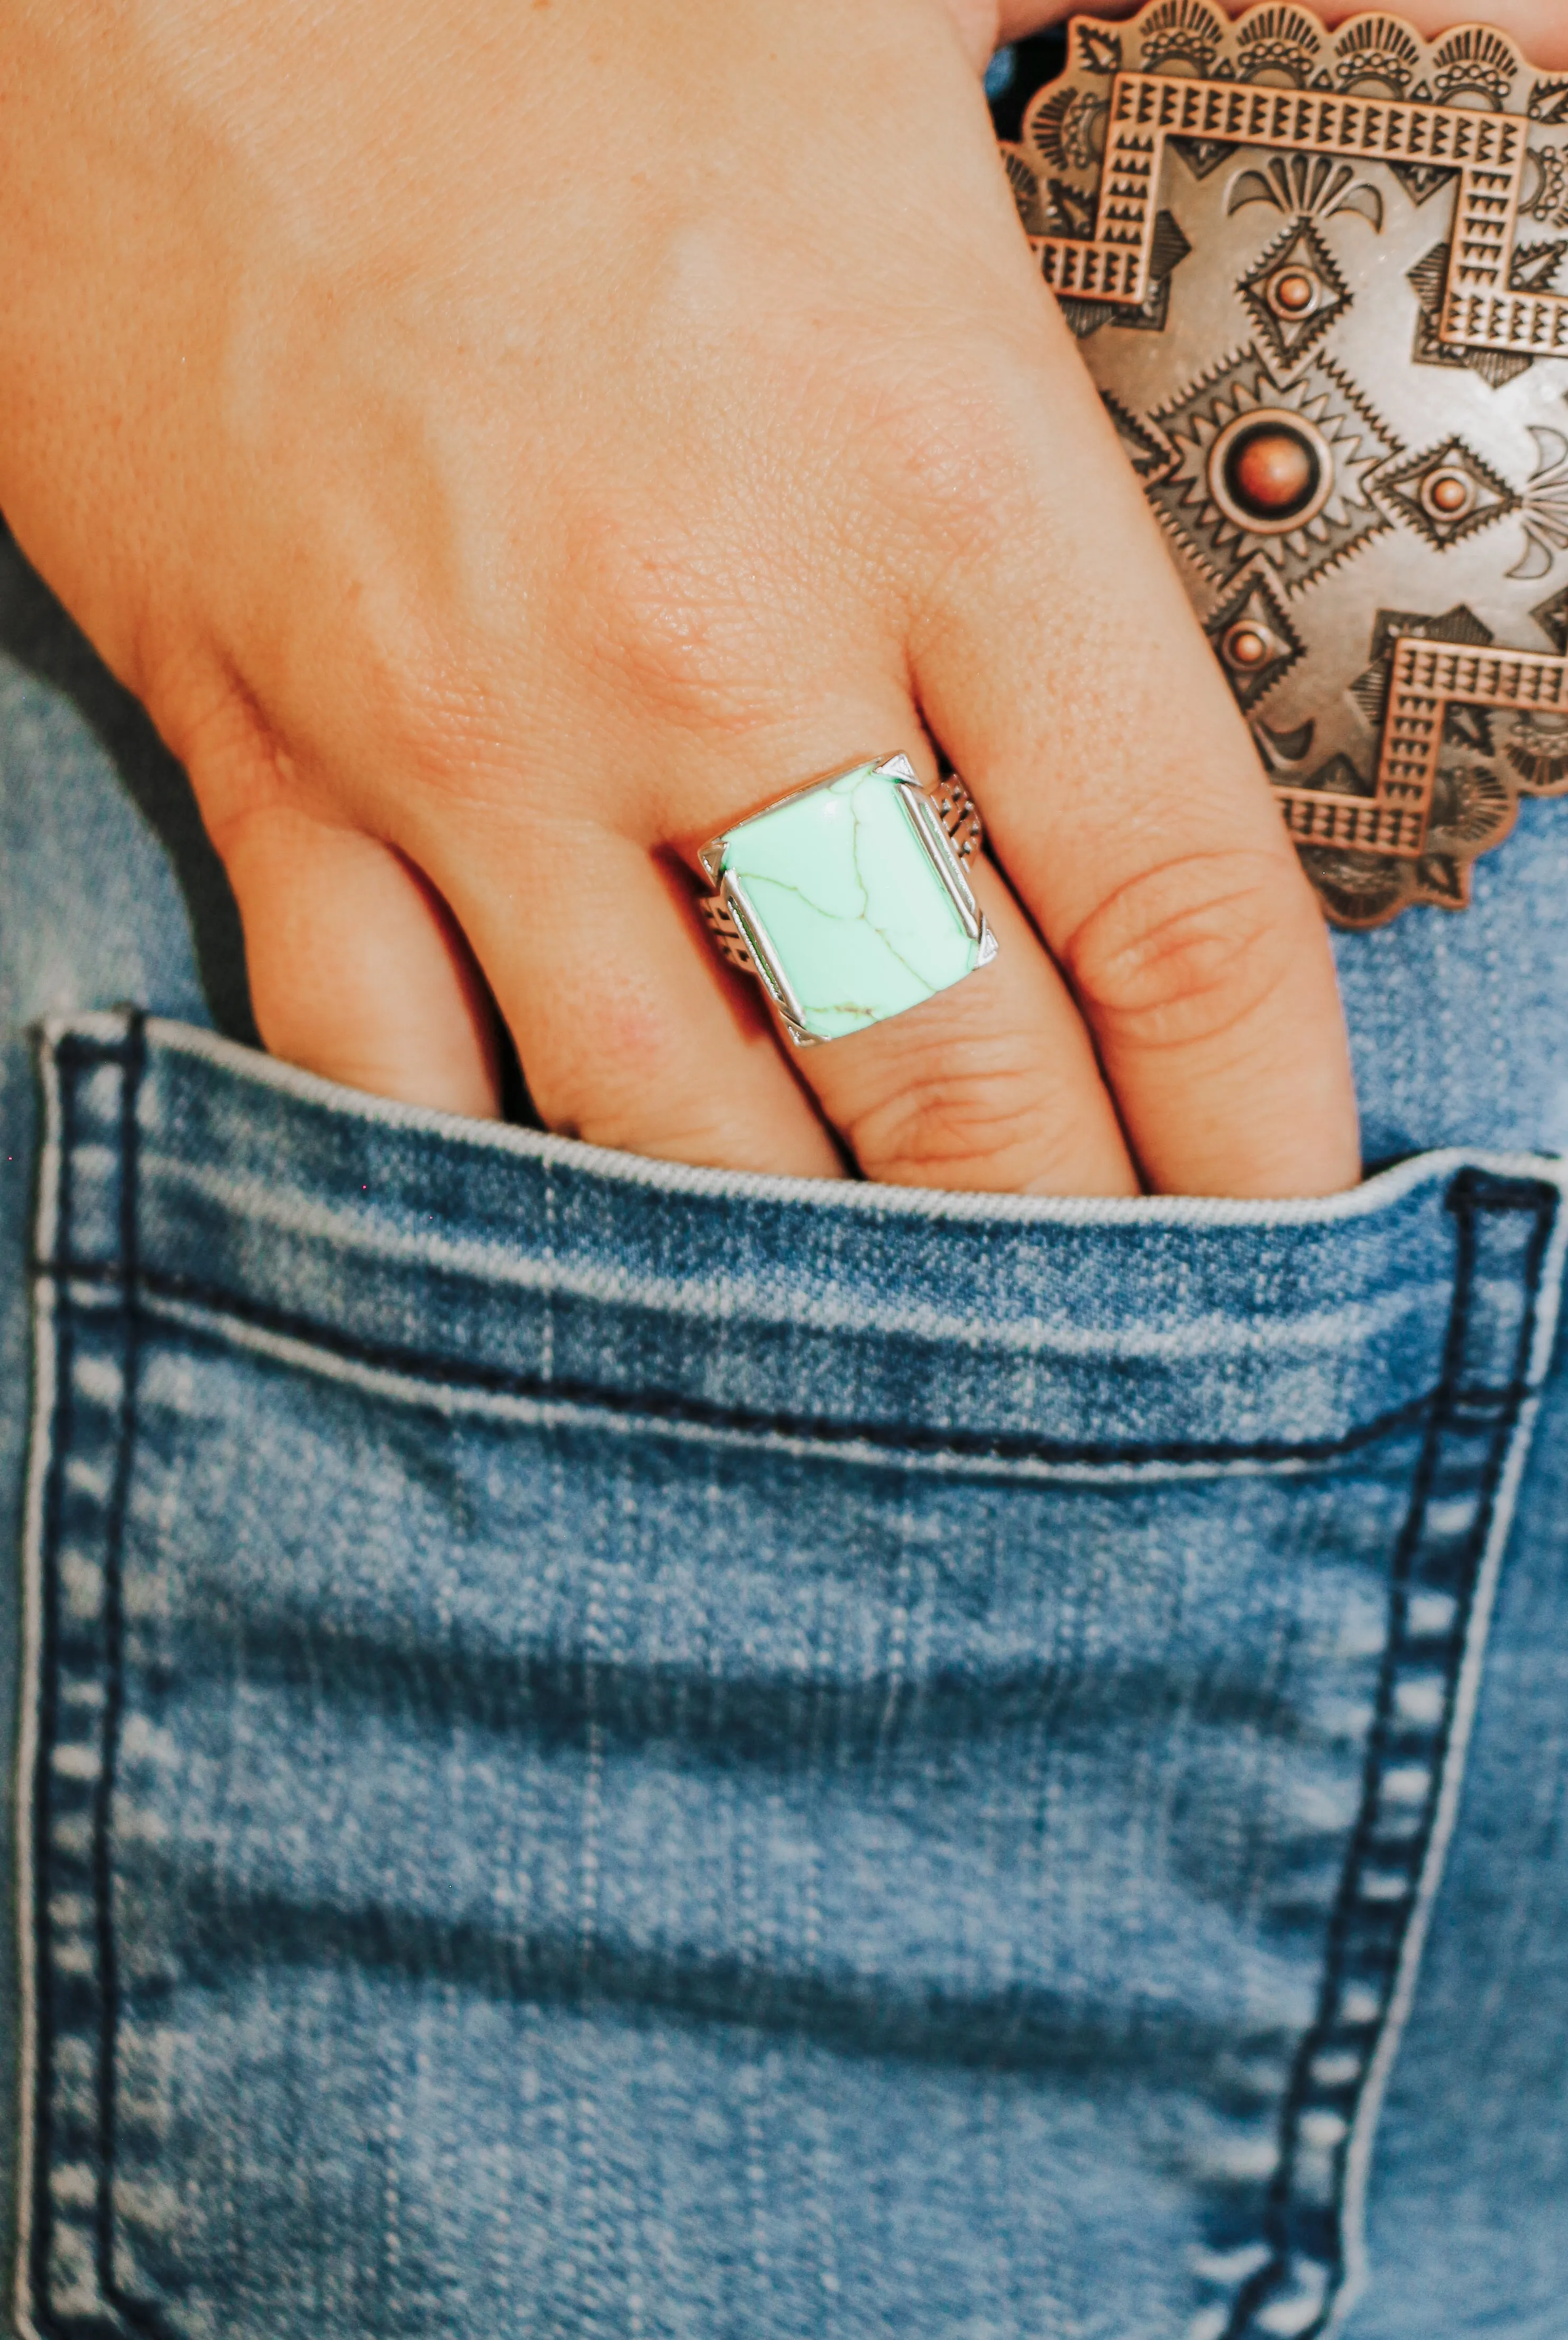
<point x="845" y="890"/>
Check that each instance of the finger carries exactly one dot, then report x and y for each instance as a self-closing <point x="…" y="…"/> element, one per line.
<point x="989" y="1086"/>
<point x="1087" y="714"/>
<point x="633" y="1033"/>
<point x="630" y="1032"/>
<point x="357" y="971"/>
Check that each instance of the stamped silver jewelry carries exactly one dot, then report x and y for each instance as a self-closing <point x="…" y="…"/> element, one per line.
<point x="1319" y="276"/>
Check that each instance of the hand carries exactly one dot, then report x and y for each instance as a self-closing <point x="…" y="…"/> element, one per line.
<point x="503" y="445"/>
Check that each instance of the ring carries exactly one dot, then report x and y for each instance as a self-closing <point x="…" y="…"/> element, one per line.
<point x="848" y="900"/>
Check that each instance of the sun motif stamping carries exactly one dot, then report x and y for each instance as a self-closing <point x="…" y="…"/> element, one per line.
<point x="1319" y="278"/>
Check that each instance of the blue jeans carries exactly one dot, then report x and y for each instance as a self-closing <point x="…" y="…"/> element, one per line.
<point x="605" y="1750"/>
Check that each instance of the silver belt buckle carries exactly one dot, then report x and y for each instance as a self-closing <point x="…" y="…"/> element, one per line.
<point x="1321" y="281"/>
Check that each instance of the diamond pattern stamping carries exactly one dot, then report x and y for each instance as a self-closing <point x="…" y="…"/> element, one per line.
<point x="1321" y="279"/>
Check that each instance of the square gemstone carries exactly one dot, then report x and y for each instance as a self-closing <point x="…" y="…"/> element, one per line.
<point x="844" y="888"/>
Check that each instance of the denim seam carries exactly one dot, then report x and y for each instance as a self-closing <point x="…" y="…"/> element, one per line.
<point x="67" y="2282"/>
<point x="50" y="1443"/>
<point x="1501" y="1414"/>
<point x="1315" y="2266"/>
<point x="1537" y="1342"/>
<point x="76" y="1051"/>
<point x="980" y="1446"/>
<point x="548" y="1410"/>
<point x="1002" y="1297"/>
<point x="43" y="1819"/>
<point x="113" y="1662"/>
<point x="105" y="1031"/>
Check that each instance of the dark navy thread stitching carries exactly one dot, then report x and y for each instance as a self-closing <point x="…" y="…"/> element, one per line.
<point x="504" y="1380"/>
<point x="416" y="1364"/>
<point x="1299" y="2232"/>
<point x="141" y="2319"/>
<point x="103" y="1800"/>
<point x="1451" y="1405"/>
<point x="130" y="1060"/>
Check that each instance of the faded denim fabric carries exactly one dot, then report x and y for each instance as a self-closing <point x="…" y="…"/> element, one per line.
<point x="612" y="1750"/>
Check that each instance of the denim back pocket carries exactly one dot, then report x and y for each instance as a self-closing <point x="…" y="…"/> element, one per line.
<point x="620" y="1751"/>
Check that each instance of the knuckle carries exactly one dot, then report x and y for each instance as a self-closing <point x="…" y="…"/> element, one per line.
<point x="966" y="476"/>
<point x="242" y="773"/>
<point x="981" y="1124"/>
<point x="1186" y="952"/>
<point x="955" y="453"/>
<point x="664" y="614"/>
<point x="626" y="1119"/>
<point x="429" y="692"/>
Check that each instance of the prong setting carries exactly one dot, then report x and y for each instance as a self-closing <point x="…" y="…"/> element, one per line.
<point x="841" y="923"/>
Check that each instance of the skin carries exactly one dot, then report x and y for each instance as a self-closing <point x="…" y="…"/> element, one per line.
<point x="502" y="445"/>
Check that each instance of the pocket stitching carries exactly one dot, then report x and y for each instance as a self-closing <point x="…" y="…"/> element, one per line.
<point x="1312" y="2250"/>
<point x="46" y="2238"/>
<point x="1473" y="1195"/>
